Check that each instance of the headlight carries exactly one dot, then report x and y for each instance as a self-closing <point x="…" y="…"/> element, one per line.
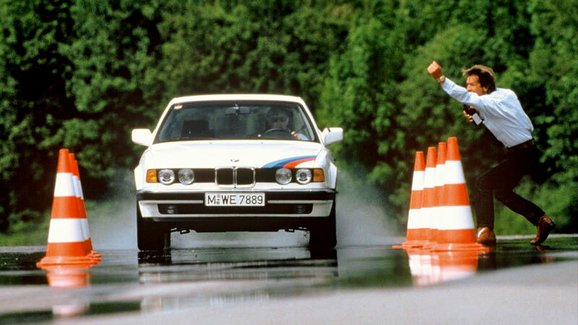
<point x="166" y="176"/>
<point x="283" y="176"/>
<point x="303" y="176"/>
<point x="186" y="176"/>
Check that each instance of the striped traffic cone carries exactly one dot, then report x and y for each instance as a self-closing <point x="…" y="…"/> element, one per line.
<point x="456" y="230"/>
<point x="416" y="235"/>
<point x="82" y="207"/>
<point x="429" y="200"/>
<point x="66" y="238"/>
<point x="439" y="181"/>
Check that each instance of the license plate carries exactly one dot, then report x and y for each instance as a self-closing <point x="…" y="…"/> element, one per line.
<point x="234" y="199"/>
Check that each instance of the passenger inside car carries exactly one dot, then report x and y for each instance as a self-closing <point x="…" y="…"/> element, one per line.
<point x="279" y="125"/>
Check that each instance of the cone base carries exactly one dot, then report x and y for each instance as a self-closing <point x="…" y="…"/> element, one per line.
<point x="87" y="260"/>
<point x="409" y="244"/>
<point x="95" y="256"/>
<point x="460" y="247"/>
<point x="415" y="238"/>
<point x="457" y="240"/>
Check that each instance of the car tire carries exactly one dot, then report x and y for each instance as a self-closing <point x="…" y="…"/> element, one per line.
<point x="323" y="235"/>
<point x="151" y="236"/>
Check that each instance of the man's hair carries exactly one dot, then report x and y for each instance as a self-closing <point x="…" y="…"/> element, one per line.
<point x="485" y="74"/>
<point x="275" y="110"/>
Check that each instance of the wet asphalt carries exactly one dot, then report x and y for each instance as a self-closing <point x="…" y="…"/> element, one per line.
<point x="515" y="283"/>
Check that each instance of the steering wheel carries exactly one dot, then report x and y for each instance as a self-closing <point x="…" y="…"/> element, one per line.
<point x="278" y="133"/>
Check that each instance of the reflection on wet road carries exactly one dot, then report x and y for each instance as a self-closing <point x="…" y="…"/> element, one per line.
<point x="126" y="281"/>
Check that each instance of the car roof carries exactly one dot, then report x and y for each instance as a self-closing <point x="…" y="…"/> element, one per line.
<point x="241" y="97"/>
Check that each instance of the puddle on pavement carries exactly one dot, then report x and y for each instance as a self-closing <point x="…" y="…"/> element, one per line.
<point x="126" y="281"/>
<point x="69" y="311"/>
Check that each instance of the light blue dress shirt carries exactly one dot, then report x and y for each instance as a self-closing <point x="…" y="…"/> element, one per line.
<point x="500" y="110"/>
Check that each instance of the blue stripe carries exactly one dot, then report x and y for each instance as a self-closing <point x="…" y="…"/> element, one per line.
<point x="283" y="162"/>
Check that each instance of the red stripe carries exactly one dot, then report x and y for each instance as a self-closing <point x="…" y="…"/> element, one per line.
<point x="81" y="208"/>
<point x="417" y="234"/>
<point x="415" y="200"/>
<point x="430" y="160"/>
<point x="294" y="163"/>
<point x="429" y="198"/>
<point x="456" y="195"/>
<point x="67" y="249"/>
<point x="457" y="236"/>
<point x="419" y="164"/>
<point x="65" y="207"/>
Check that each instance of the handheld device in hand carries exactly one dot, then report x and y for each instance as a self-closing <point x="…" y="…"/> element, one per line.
<point x="474" y="114"/>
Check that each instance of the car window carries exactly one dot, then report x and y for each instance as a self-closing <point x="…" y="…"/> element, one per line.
<point x="235" y="120"/>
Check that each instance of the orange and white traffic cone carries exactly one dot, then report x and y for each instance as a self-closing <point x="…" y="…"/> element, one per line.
<point x="429" y="199"/>
<point x="82" y="207"/>
<point x="439" y="182"/>
<point x="66" y="237"/>
<point x="456" y="230"/>
<point x="416" y="235"/>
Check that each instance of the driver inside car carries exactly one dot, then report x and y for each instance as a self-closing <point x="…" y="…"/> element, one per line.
<point x="278" y="121"/>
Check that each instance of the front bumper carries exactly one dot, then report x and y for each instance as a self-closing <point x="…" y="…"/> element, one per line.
<point x="187" y="206"/>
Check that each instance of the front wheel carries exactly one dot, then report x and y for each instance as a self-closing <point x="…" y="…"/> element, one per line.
<point x="150" y="236"/>
<point x="323" y="235"/>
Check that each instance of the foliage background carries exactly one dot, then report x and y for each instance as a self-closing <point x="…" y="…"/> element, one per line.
<point x="81" y="74"/>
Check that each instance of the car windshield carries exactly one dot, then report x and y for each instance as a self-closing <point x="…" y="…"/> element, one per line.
<point x="235" y="120"/>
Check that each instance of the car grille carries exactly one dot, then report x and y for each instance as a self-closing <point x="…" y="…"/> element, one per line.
<point x="235" y="176"/>
<point x="245" y="176"/>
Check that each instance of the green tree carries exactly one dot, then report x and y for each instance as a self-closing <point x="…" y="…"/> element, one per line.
<point x="280" y="47"/>
<point x="554" y="65"/>
<point x="113" y="53"/>
<point x="81" y="74"/>
<point x="389" y="113"/>
<point x="33" y="102"/>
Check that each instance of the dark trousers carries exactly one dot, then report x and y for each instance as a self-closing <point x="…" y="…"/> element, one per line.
<point x="500" y="182"/>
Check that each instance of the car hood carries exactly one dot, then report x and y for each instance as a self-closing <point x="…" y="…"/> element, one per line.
<point x="211" y="154"/>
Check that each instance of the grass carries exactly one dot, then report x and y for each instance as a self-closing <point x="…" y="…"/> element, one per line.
<point x="26" y="234"/>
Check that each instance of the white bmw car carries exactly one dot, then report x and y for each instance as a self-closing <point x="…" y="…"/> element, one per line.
<point x="219" y="163"/>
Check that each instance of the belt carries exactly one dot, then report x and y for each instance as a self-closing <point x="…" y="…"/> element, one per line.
<point x="524" y="145"/>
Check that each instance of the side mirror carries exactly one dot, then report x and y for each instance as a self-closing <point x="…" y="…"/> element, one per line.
<point x="142" y="136"/>
<point x="332" y="135"/>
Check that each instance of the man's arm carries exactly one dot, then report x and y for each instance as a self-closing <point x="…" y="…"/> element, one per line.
<point x="458" y="93"/>
<point x="435" y="70"/>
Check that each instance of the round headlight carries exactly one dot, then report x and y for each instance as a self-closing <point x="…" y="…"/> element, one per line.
<point x="166" y="176"/>
<point x="186" y="176"/>
<point x="283" y="176"/>
<point x="303" y="176"/>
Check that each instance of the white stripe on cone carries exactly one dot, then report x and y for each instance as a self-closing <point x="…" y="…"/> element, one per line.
<point x="415" y="219"/>
<point x="439" y="211"/>
<point x="427" y="213"/>
<point x="64" y="186"/>
<point x="65" y="230"/>
<point x="454" y="172"/>
<point x="456" y="217"/>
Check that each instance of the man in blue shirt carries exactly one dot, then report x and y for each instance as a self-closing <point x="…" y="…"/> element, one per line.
<point x="502" y="114"/>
